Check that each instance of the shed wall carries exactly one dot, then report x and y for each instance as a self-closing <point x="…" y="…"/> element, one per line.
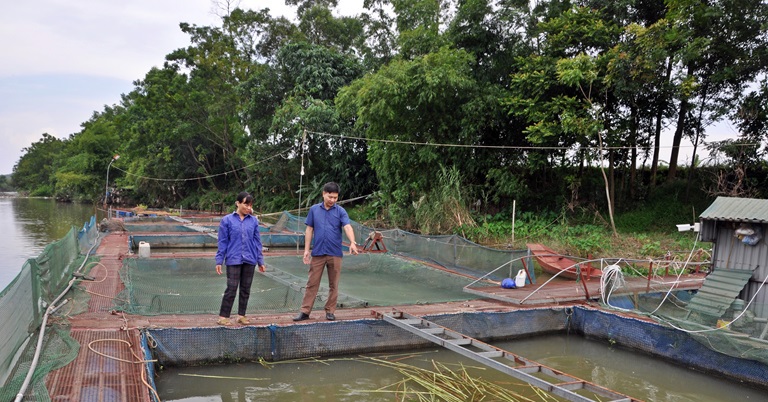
<point x="730" y="253"/>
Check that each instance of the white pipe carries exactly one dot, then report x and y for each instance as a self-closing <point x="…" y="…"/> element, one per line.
<point x="50" y="310"/>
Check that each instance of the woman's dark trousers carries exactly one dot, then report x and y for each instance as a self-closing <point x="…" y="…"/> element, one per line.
<point x="237" y="276"/>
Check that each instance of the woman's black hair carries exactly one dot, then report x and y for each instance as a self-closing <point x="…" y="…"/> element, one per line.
<point x="245" y="198"/>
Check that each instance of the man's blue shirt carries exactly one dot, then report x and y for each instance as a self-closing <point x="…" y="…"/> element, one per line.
<point x="239" y="241"/>
<point x="327" y="225"/>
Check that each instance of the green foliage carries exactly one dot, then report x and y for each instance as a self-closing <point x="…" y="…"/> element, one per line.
<point x="34" y="172"/>
<point x="587" y="239"/>
<point x="525" y="102"/>
<point x="443" y="210"/>
<point x="70" y="185"/>
<point x="649" y="247"/>
<point x="42" y="191"/>
<point x="6" y="183"/>
<point x="417" y="100"/>
<point x="668" y="208"/>
<point x="487" y="232"/>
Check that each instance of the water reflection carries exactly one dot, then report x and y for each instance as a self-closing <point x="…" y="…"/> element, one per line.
<point x="340" y="379"/>
<point x="29" y="224"/>
<point x="337" y="379"/>
<point x="632" y="373"/>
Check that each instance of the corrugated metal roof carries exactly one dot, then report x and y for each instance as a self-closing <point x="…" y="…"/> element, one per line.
<point x="737" y="209"/>
<point x="718" y="291"/>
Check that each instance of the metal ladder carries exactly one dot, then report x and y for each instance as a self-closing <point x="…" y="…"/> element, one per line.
<point x="499" y="359"/>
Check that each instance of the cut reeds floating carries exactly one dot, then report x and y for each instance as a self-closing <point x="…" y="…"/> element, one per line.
<point x="441" y="382"/>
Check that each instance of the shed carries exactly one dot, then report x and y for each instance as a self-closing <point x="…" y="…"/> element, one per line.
<point x="737" y="229"/>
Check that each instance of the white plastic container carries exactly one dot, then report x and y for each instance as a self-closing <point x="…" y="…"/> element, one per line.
<point x="520" y="279"/>
<point x="144" y="250"/>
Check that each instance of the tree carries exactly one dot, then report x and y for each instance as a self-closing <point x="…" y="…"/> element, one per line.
<point x="34" y="172"/>
<point x="724" y="49"/>
<point x="83" y="161"/>
<point x="404" y="105"/>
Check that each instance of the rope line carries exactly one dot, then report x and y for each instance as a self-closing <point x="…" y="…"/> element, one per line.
<point x="514" y="147"/>
<point x="138" y="360"/>
<point x="207" y="176"/>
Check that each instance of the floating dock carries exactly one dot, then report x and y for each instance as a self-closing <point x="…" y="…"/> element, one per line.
<point x="118" y="348"/>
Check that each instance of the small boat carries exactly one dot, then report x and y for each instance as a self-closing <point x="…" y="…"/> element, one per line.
<point x="562" y="266"/>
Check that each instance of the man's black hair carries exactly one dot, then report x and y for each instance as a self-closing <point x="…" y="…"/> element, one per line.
<point x="331" y="187"/>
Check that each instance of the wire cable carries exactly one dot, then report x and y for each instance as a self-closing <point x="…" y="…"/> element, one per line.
<point x="206" y="176"/>
<point x="474" y="146"/>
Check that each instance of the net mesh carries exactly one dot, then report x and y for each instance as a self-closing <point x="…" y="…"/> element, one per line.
<point x="452" y="252"/>
<point x="734" y="331"/>
<point x="415" y="269"/>
<point x="58" y="350"/>
<point x="22" y="306"/>
<point x="191" y="286"/>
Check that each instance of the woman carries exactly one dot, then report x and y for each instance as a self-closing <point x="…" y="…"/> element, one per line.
<point x="240" y="249"/>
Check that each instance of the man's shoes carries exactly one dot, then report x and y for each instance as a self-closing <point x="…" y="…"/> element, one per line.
<point x="330" y="316"/>
<point x="301" y="317"/>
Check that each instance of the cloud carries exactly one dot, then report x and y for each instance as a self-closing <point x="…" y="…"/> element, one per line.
<point x="65" y="60"/>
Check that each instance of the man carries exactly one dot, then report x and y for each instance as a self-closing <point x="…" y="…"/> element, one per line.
<point x="324" y="222"/>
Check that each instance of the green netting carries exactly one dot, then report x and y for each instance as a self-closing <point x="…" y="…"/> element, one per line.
<point x="59" y="349"/>
<point x="743" y="337"/>
<point x="19" y="311"/>
<point x="22" y="306"/>
<point x="148" y="227"/>
<point x="452" y="252"/>
<point x="385" y="279"/>
<point x="173" y="241"/>
<point x="190" y="285"/>
<point x="87" y="236"/>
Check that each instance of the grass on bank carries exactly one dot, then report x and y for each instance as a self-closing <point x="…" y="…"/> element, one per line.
<point x="647" y="231"/>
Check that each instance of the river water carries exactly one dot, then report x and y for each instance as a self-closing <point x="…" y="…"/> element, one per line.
<point x="351" y="378"/>
<point x="27" y="225"/>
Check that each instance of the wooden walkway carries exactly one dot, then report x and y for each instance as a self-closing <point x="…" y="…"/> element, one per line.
<point x="559" y="291"/>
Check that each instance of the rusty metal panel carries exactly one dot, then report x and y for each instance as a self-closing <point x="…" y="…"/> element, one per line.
<point x="105" y="369"/>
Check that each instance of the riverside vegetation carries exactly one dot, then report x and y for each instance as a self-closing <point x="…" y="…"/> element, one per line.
<point x="647" y="231"/>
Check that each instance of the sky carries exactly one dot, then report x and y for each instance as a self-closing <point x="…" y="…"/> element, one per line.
<point x="65" y="60"/>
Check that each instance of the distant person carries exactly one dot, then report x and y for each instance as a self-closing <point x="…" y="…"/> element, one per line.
<point x="325" y="221"/>
<point x="240" y="249"/>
